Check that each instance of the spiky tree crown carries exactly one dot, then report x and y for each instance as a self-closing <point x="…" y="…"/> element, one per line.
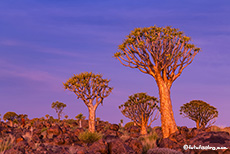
<point x="140" y="107"/>
<point x="198" y="110"/>
<point x="58" y="106"/>
<point x="79" y="116"/>
<point x="10" y="116"/>
<point x="89" y="86"/>
<point x="157" y="49"/>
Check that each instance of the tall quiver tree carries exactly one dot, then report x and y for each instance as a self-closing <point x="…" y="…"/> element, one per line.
<point x="92" y="89"/>
<point x="140" y="108"/>
<point x="59" y="107"/>
<point x="163" y="53"/>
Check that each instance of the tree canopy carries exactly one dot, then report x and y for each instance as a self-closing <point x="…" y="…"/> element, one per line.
<point x="59" y="107"/>
<point x="11" y="116"/>
<point x="140" y="108"/>
<point x="89" y="86"/>
<point x="200" y="112"/>
<point x="154" y="50"/>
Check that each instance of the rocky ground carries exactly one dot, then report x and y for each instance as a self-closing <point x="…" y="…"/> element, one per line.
<point x="44" y="136"/>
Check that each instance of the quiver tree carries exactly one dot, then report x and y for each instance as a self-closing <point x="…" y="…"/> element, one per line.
<point x="140" y="108"/>
<point x="59" y="107"/>
<point x="200" y="112"/>
<point x="80" y="117"/>
<point x="92" y="89"/>
<point x="162" y="53"/>
<point x="47" y="116"/>
<point x="122" y="123"/>
<point x="10" y="116"/>
<point x="98" y="120"/>
<point x="66" y="117"/>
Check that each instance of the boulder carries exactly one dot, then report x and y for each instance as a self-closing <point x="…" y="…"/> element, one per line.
<point x="135" y="144"/>
<point x="59" y="140"/>
<point x="134" y="135"/>
<point x="100" y="146"/>
<point x="100" y="128"/>
<point x="55" y="130"/>
<point x="77" y="149"/>
<point x="109" y="138"/>
<point x="118" y="146"/>
<point x="133" y="129"/>
<point x="78" y="131"/>
<point x="114" y="127"/>
<point x="110" y="132"/>
<point x="211" y="139"/>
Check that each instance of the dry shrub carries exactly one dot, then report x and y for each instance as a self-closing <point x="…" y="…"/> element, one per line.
<point x="89" y="137"/>
<point x="6" y="143"/>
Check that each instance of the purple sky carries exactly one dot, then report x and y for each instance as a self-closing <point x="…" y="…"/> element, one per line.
<point x="43" y="43"/>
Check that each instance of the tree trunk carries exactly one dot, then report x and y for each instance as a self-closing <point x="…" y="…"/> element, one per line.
<point x="143" y="129"/>
<point x="80" y="123"/>
<point x="167" y="118"/>
<point x="59" y="116"/>
<point x="92" y="119"/>
<point x="197" y="124"/>
<point x="11" y="124"/>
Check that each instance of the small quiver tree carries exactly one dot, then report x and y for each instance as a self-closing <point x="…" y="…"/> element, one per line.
<point x="98" y="120"/>
<point x="92" y="89"/>
<point x="66" y="117"/>
<point x="79" y="118"/>
<point x="141" y="109"/>
<point x="10" y="116"/>
<point x="200" y="112"/>
<point x="59" y="107"/>
<point x="121" y="123"/>
<point x="47" y="116"/>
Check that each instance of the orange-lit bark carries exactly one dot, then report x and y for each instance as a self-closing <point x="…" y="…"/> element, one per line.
<point x="91" y="120"/>
<point x="167" y="118"/>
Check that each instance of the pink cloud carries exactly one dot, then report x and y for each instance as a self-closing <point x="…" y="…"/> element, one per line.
<point x="39" y="48"/>
<point x="8" y="69"/>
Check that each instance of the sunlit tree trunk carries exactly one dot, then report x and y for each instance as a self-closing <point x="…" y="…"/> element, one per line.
<point x="11" y="124"/>
<point x="80" y="123"/>
<point x="92" y="119"/>
<point x="198" y="124"/>
<point x="143" y="127"/>
<point x="167" y="118"/>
